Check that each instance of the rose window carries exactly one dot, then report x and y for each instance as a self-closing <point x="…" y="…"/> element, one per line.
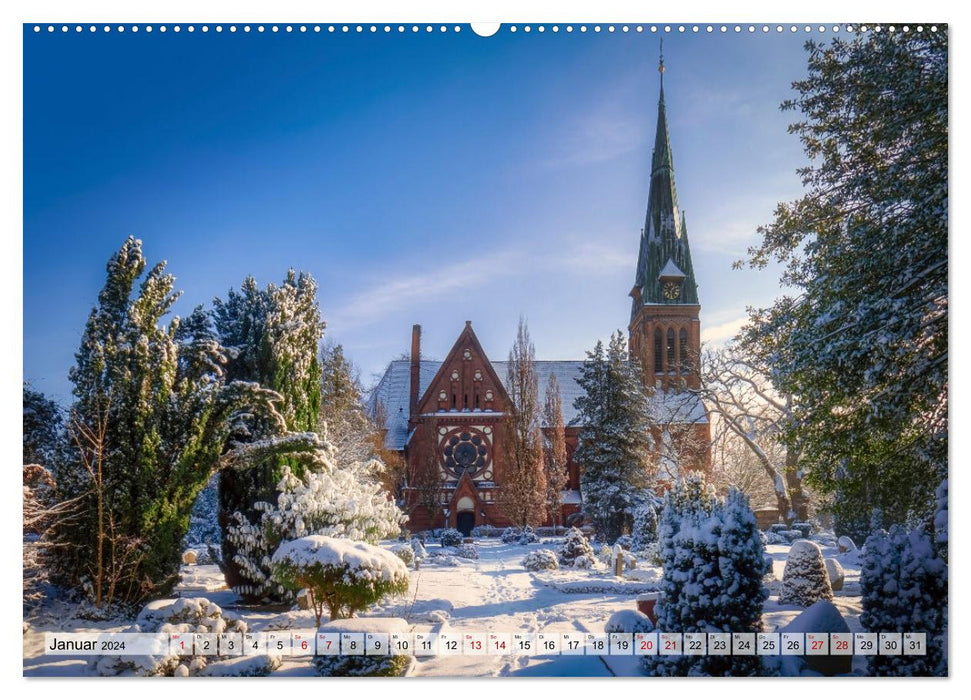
<point x="465" y="450"/>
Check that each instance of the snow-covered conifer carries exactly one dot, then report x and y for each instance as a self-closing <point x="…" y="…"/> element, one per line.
<point x="575" y="546"/>
<point x="904" y="586"/>
<point x="805" y="579"/>
<point x="713" y="563"/>
<point x="273" y="336"/>
<point x="615" y="444"/>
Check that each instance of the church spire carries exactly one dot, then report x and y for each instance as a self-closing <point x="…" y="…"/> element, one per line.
<point x="664" y="271"/>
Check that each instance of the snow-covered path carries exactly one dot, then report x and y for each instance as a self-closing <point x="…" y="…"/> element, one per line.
<point x="492" y="594"/>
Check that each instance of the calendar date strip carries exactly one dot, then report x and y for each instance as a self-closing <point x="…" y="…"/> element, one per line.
<point x="323" y="642"/>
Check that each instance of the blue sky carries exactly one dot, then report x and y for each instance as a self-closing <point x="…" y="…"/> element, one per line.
<point x="421" y="178"/>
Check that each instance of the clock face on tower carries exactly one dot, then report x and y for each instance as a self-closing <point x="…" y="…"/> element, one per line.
<point x="671" y="290"/>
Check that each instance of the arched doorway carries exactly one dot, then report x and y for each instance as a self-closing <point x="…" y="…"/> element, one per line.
<point x="465" y="517"/>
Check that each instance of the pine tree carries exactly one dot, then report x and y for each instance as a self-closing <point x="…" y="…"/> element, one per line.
<point x="554" y="450"/>
<point x="273" y="335"/>
<point x="152" y="422"/>
<point x="523" y="492"/>
<point x="863" y="339"/>
<point x="615" y="445"/>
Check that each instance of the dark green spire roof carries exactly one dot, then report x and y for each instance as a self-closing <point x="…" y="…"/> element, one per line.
<point x="664" y="240"/>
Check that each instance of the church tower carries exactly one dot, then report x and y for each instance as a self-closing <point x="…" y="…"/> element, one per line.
<point x="664" y="330"/>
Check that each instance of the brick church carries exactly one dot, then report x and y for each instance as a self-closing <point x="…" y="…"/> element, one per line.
<point x="446" y="417"/>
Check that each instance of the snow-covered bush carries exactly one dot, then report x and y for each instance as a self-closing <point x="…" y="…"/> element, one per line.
<point x="486" y="531"/>
<point x="510" y="535"/>
<point x="714" y="563"/>
<point x="629" y="621"/>
<point x="575" y="545"/>
<point x="774" y="538"/>
<point x="341" y="575"/>
<point x="904" y="585"/>
<point x="528" y="536"/>
<point x="333" y="498"/>
<point x="625" y="541"/>
<point x="450" y="537"/>
<point x="539" y="560"/>
<point x="346" y="665"/>
<point x="405" y="553"/>
<point x="443" y="558"/>
<point x="806" y="529"/>
<point x="466" y="551"/>
<point x="645" y="527"/>
<point x="187" y="616"/>
<point x="805" y="579"/>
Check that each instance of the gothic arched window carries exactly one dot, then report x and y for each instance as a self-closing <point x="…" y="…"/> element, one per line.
<point x="672" y="360"/>
<point x="658" y="350"/>
<point x="683" y="343"/>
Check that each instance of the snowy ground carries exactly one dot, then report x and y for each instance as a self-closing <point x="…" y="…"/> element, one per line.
<point x="493" y="593"/>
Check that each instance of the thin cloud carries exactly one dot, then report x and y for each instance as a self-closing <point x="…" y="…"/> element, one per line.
<point x="723" y="332"/>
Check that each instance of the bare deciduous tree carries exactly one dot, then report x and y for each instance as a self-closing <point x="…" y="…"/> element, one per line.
<point x="523" y="495"/>
<point x="738" y="390"/>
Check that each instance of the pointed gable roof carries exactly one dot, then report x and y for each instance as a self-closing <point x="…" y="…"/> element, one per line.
<point x="664" y="239"/>
<point x="466" y="339"/>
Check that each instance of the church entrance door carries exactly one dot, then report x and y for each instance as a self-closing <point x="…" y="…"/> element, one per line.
<point x="464" y="522"/>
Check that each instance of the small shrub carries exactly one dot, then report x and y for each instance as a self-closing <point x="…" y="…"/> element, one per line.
<point x="540" y="560"/>
<point x="511" y="534"/>
<point x="466" y="551"/>
<point x="350" y="666"/>
<point x="528" y="536"/>
<point x="807" y="529"/>
<point x="451" y="537"/>
<point x="576" y="545"/>
<point x="184" y="615"/>
<point x="629" y="621"/>
<point x="625" y="541"/>
<point x="405" y="553"/>
<point x="342" y="575"/>
<point x="805" y="579"/>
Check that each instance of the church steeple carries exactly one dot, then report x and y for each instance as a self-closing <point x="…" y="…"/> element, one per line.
<point x="664" y="272"/>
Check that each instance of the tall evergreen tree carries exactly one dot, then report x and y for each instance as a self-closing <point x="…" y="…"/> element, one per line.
<point x="862" y="342"/>
<point x="273" y="336"/>
<point x="554" y="449"/>
<point x="151" y="424"/>
<point x="523" y="494"/>
<point x="615" y="444"/>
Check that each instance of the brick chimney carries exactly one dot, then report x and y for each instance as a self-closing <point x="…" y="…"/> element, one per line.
<point x="415" y="375"/>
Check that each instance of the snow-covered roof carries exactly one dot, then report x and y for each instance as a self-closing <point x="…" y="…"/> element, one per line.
<point x="393" y="389"/>
<point x="670" y="270"/>
<point x="392" y="392"/>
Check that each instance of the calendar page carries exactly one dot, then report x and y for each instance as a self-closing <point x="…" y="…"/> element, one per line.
<point x="360" y="348"/>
